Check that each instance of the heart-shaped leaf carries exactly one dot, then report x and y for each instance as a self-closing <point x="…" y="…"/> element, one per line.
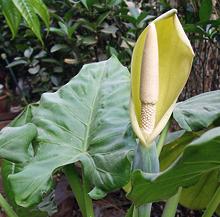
<point x="198" y="112"/>
<point x="199" y="157"/>
<point x="85" y="120"/>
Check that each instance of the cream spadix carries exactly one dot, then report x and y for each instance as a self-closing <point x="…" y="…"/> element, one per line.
<point x="170" y="56"/>
<point x="149" y="81"/>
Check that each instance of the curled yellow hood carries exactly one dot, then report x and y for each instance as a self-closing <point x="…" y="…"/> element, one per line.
<point x="169" y="47"/>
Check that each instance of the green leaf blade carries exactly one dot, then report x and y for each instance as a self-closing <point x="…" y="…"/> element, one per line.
<point x="8" y="168"/>
<point x="196" y="196"/>
<point x="199" y="195"/>
<point x="198" y="112"/>
<point x="14" y="146"/>
<point x="86" y="120"/>
<point x="12" y="16"/>
<point x="28" y="13"/>
<point x="199" y="157"/>
<point x="41" y="9"/>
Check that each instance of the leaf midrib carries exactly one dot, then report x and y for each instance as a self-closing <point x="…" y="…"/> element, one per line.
<point x="92" y="111"/>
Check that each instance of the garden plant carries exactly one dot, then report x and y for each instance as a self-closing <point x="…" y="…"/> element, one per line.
<point x="107" y="129"/>
<point x="88" y="31"/>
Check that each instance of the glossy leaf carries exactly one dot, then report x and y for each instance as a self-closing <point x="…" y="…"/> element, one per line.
<point x="85" y="120"/>
<point x="28" y="52"/>
<point x="16" y="63"/>
<point x="12" y="15"/>
<point x="175" y="60"/>
<point x="199" y="157"/>
<point x="28" y="13"/>
<point x="58" y="47"/>
<point x="41" y="9"/>
<point x="198" y="112"/>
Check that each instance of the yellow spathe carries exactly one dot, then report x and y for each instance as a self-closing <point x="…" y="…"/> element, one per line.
<point x="175" y="61"/>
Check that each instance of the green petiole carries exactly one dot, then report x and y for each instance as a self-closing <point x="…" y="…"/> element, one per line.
<point x="7" y="208"/>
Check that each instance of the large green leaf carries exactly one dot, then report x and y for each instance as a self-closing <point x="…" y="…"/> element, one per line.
<point x="12" y="15"/>
<point x="8" y="168"/>
<point x="198" y="158"/>
<point x="84" y="121"/>
<point x="198" y="112"/>
<point x="26" y="9"/>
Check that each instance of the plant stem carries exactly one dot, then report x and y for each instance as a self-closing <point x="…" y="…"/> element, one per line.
<point x="87" y="199"/>
<point x="76" y="186"/>
<point x="171" y="205"/>
<point x="142" y="211"/>
<point x="7" y="208"/>
<point x="146" y="159"/>
<point x="213" y="204"/>
<point x="162" y="138"/>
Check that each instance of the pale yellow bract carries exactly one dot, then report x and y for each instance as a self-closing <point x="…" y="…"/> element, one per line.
<point x="175" y="61"/>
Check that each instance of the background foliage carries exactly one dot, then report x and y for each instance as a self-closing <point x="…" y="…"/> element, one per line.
<point x="91" y="30"/>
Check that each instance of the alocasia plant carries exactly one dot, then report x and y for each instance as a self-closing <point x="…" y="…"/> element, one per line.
<point x="87" y="122"/>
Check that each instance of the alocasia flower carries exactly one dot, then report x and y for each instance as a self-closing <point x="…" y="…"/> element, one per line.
<point x="161" y="63"/>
